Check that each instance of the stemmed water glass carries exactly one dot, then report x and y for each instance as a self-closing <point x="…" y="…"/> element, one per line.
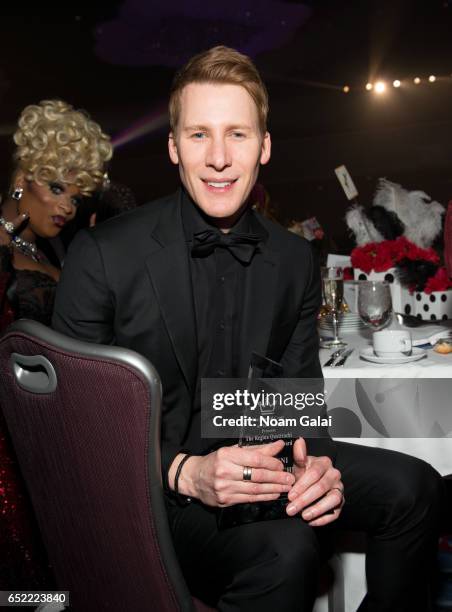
<point x="374" y="304"/>
<point x="333" y="294"/>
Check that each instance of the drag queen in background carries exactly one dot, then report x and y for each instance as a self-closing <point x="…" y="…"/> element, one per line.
<point x="60" y="157"/>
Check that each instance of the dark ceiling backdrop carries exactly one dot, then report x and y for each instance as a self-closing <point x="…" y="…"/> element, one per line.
<point x="117" y="60"/>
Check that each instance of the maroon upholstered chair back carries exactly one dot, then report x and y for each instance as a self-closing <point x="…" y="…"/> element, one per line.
<point x="85" y="423"/>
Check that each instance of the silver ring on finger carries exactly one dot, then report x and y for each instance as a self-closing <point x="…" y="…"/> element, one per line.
<point x="247" y="472"/>
<point x="9" y="227"/>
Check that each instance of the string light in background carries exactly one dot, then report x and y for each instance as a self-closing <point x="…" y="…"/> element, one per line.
<point x="380" y="87"/>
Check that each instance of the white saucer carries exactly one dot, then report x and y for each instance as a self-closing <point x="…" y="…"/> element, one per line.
<point x="368" y="353"/>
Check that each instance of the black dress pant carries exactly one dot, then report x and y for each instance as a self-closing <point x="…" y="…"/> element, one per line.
<point x="273" y="565"/>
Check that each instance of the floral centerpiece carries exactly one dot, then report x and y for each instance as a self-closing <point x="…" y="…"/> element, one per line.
<point x="421" y="285"/>
<point x="416" y="268"/>
<point x="395" y="238"/>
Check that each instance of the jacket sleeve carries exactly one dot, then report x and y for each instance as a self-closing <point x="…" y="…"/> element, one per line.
<point x="84" y="309"/>
<point x="83" y="304"/>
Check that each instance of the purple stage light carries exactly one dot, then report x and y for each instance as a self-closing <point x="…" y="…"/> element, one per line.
<point x="146" y="125"/>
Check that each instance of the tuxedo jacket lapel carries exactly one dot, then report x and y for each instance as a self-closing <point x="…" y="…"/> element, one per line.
<point x="169" y="270"/>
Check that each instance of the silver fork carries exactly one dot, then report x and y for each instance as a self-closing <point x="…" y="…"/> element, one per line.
<point x="433" y="338"/>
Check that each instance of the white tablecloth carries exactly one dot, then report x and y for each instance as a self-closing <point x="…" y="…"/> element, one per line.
<point x="436" y="451"/>
<point x="434" y="365"/>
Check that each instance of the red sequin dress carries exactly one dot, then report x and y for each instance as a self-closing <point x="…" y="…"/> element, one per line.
<point x="23" y="562"/>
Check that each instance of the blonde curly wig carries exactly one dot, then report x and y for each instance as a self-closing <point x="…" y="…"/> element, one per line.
<point x="57" y="143"/>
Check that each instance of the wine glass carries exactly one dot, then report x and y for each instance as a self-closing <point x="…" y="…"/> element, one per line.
<point x="374" y="304"/>
<point x="333" y="294"/>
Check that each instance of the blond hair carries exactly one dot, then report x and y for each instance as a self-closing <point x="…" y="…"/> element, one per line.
<point x="55" y="142"/>
<point x="220" y="65"/>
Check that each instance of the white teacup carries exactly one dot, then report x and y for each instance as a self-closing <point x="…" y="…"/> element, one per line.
<point x="392" y="343"/>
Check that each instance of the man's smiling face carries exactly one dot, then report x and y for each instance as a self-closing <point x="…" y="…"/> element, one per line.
<point x="218" y="147"/>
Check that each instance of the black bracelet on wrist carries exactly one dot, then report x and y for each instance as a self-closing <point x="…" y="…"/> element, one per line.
<point x="182" y="499"/>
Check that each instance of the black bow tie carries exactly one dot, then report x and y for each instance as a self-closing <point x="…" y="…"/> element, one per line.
<point x="240" y="245"/>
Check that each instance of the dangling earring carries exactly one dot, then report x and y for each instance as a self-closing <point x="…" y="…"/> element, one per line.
<point x="17" y="193"/>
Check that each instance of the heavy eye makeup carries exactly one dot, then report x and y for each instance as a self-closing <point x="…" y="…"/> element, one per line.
<point x="56" y="188"/>
<point x="76" y="201"/>
<point x="59" y="189"/>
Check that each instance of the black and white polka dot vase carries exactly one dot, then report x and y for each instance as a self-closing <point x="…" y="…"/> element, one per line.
<point x="402" y="300"/>
<point x="436" y="306"/>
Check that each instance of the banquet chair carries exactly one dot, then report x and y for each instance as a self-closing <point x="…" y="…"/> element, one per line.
<point x="85" y="424"/>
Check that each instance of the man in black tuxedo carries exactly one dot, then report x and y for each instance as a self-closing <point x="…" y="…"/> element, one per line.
<point x="196" y="282"/>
